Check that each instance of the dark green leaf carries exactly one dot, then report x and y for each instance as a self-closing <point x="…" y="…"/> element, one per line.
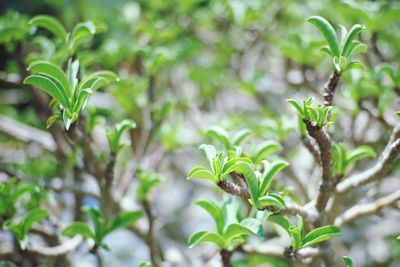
<point x="326" y="29"/>
<point x="213" y="209"/>
<point x="204" y="236"/>
<point x="320" y="234"/>
<point x="51" y="24"/>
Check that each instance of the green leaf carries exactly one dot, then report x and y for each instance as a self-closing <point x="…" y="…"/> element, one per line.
<point x="280" y="220"/>
<point x="353" y="32"/>
<point x="78" y="228"/>
<point x="47" y="85"/>
<point x="295" y="235"/>
<point x="35" y="215"/>
<point x="202" y="173"/>
<point x="210" y="151"/>
<point x="51" y="24"/>
<point x="264" y="149"/>
<point x="339" y="158"/>
<point x="235" y="230"/>
<point x="204" y="236"/>
<point x="320" y="234"/>
<point x="21" y="189"/>
<point x="240" y="136"/>
<point x="52" y="70"/>
<point x="360" y="153"/>
<point x="298" y="107"/>
<point x="254" y="226"/>
<point x="123" y="219"/>
<point x="97" y="218"/>
<point x="326" y="29"/>
<point x="347" y="261"/>
<point x="270" y="171"/>
<point x="270" y="201"/>
<point x="220" y="134"/>
<point x="251" y="179"/>
<point x="215" y="212"/>
<point x="81" y="32"/>
<point x="52" y="119"/>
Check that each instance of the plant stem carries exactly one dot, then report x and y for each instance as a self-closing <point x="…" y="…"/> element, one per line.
<point x="329" y="88"/>
<point x="226" y="258"/>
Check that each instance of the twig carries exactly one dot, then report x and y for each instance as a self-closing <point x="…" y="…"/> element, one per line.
<point x="311" y="148"/>
<point x="290" y="208"/>
<point x="62" y="249"/>
<point x="329" y="88"/>
<point x="380" y="169"/>
<point x="325" y="146"/>
<point x="281" y="252"/>
<point x="26" y="133"/>
<point x="359" y="211"/>
<point x="153" y="247"/>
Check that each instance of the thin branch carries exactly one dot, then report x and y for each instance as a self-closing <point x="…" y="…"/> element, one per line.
<point x="325" y="146"/>
<point x="307" y="142"/>
<point x="382" y="167"/>
<point x="359" y="211"/>
<point x="62" y="249"/>
<point x="281" y="252"/>
<point x="26" y="133"/>
<point x="290" y="209"/>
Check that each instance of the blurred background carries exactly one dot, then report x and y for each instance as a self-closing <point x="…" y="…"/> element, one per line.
<point x="184" y="67"/>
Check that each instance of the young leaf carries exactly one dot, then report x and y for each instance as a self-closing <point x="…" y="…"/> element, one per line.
<point x="269" y="173"/>
<point x="205" y="236"/>
<point x="240" y="136"/>
<point x="295" y="235"/>
<point x="270" y="201"/>
<point x="78" y="228"/>
<point x="326" y="29"/>
<point x="123" y="219"/>
<point x="51" y="70"/>
<point x="248" y="227"/>
<point x="35" y="215"/>
<point x="221" y="134"/>
<point x="47" y="85"/>
<point x="202" y="173"/>
<point x="320" y="234"/>
<point x="210" y="151"/>
<point x="280" y="220"/>
<point x="264" y="149"/>
<point x="251" y="179"/>
<point x="348" y="261"/>
<point x="360" y="153"/>
<point x="51" y="24"/>
<point x="354" y="31"/>
<point x="214" y="211"/>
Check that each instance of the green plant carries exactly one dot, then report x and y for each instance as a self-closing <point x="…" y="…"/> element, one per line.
<point x="341" y="53"/>
<point x="20" y="230"/>
<point x="344" y="159"/>
<point x="65" y="88"/>
<point x="301" y="240"/>
<point x="348" y="261"/>
<point x="258" y="185"/>
<point x="316" y="115"/>
<point x="101" y="228"/>
<point x="230" y="231"/>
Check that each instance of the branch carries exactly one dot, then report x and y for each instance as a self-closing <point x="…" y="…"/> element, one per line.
<point x="329" y="88"/>
<point x="311" y="148"/>
<point x="26" y="133"/>
<point x="290" y="208"/>
<point x="359" y="211"/>
<point x="380" y="169"/>
<point x="281" y="252"/>
<point x="325" y="146"/>
<point x="62" y="249"/>
<point x="226" y="258"/>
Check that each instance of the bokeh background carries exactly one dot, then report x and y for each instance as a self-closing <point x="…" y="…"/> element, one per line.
<point x="195" y="64"/>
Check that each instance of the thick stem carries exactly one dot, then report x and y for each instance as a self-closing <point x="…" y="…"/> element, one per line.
<point x="226" y="258"/>
<point x="329" y="88"/>
<point x="325" y="146"/>
<point x="153" y="246"/>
